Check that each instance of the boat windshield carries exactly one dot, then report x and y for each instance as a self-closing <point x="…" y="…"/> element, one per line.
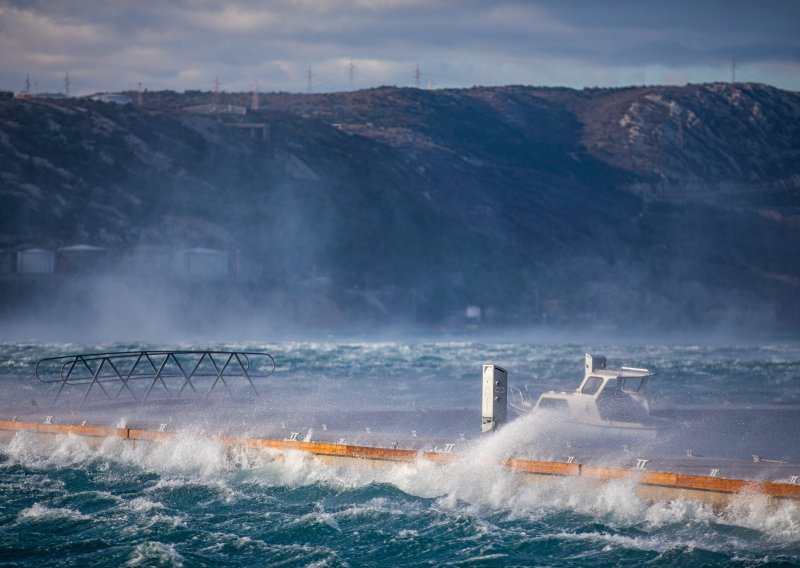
<point x="592" y="385"/>
<point x="558" y="404"/>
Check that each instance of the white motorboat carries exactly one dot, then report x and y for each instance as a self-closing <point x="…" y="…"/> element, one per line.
<point x="611" y="399"/>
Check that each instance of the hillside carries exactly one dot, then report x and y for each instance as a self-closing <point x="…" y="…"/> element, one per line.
<point x="654" y="206"/>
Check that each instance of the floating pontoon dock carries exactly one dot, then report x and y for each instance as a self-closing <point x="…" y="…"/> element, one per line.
<point x="667" y="477"/>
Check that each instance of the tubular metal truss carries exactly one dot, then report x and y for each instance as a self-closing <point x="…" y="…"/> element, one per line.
<point x="139" y="373"/>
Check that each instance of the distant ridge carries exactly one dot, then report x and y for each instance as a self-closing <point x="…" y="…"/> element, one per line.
<point x="645" y="206"/>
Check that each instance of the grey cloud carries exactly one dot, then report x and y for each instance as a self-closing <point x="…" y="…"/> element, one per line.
<point x="170" y="45"/>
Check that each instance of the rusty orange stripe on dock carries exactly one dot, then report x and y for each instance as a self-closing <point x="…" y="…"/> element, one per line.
<point x="544" y="467"/>
<point x="341" y="450"/>
<point x="658" y="479"/>
<point x="93" y="431"/>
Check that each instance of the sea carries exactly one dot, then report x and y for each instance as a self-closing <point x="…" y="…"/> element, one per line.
<point x="69" y="501"/>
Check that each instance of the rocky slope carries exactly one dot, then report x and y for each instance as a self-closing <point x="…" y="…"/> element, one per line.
<point x="654" y="206"/>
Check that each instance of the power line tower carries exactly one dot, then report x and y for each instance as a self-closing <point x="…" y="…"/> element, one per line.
<point x="417" y="76"/>
<point x="139" y="95"/>
<point x="351" y="74"/>
<point x="66" y="84"/>
<point x="254" y="102"/>
<point x="216" y="89"/>
<point x="27" y="84"/>
<point x="310" y="79"/>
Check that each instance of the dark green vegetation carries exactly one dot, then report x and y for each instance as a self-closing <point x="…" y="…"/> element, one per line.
<point x="660" y="206"/>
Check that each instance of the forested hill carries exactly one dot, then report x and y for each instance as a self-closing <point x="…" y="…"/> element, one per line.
<point x="647" y="206"/>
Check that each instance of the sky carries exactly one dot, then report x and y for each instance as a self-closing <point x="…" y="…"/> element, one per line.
<point x="336" y="45"/>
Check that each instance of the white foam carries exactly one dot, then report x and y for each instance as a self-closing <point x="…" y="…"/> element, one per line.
<point x="39" y="512"/>
<point x="143" y="505"/>
<point x="320" y="516"/>
<point x="38" y="452"/>
<point x="154" y="553"/>
<point x="611" y="540"/>
<point x="154" y="518"/>
<point x="224" y="540"/>
<point x="781" y="523"/>
<point x="475" y="483"/>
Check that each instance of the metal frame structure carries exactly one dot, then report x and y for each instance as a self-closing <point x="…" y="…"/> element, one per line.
<point x="123" y="367"/>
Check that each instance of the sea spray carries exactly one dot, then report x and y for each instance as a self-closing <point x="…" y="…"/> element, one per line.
<point x="192" y="501"/>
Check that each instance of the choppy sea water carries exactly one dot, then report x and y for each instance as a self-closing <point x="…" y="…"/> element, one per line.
<point x="67" y="501"/>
